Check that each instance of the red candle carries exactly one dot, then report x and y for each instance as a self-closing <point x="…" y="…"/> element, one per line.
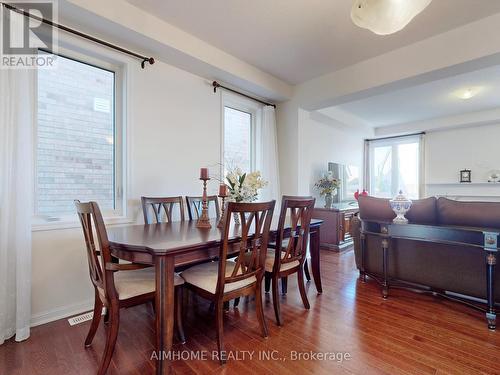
<point x="223" y="190"/>
<point x="204" y="174"/>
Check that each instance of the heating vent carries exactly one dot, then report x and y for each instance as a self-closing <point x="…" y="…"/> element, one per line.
<point x="81" y="318"/>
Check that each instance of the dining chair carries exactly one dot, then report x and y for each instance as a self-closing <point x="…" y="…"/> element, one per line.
<point x="116" y="285"/>
<point x="194" y="206"/>
<point x="291" y="257"/>
<point x="157" y="204"/>
<point x="226" y="279"/>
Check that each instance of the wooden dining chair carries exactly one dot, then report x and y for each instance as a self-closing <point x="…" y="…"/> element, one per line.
<point x="226" y="279"/>
<point x="115" y="285"/>
<point x="291" y="258"/>
<point x="194" y="206"/>
<point x="162" y="209"/>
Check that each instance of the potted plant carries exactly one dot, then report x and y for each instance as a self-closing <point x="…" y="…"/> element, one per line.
<point x="327" y="186"/>
<point x="244" y="187"/>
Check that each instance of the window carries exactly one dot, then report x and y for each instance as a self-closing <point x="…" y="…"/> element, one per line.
<point x="239" y="133"/>
<point x="394" y="164"/>
<point x="78" y="142"/>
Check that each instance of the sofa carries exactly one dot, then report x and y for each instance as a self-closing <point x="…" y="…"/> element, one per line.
<point x="445" y="269"/>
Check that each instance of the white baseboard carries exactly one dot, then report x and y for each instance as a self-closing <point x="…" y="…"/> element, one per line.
<point x="61" y="313"/>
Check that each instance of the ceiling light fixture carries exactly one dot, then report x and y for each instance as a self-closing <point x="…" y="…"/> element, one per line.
<point x="384" y="17"/>
<point x="467" y="93"/>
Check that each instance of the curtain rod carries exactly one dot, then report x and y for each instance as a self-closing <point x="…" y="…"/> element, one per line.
<point x="395" y="136"/>
<point x="217" y="85"/>
<point x="144" y="59"/>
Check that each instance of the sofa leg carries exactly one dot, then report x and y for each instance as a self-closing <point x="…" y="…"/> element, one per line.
<point x="492" y="320"/>
<point x="362" y="276"/>
<point x="385" y="292"/>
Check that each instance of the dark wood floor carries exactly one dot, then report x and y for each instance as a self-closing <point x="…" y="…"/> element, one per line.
<point x="407" y="334"/>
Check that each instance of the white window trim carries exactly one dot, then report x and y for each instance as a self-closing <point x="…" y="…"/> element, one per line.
<point x="86" y="52"/>
<point x="369" y="161"/>
<point x="252" y="107"/>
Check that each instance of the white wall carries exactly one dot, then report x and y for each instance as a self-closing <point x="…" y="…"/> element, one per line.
<point x="321" y="143"/>
<point x="173" y="129"/>
<point x="447" y="152"/>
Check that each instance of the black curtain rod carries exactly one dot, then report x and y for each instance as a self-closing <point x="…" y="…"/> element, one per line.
<point x="217" y="85"/>
<point x="395" y="136"/>
<point x="144" y="59"/>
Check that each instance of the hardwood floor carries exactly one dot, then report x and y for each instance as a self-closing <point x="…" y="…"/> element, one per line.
<point x="407" y="334"/>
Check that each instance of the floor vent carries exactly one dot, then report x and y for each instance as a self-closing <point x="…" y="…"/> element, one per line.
<point x="81" y="318"/>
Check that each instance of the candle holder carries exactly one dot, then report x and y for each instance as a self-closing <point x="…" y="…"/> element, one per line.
<point x="223" y="209"/>
<point x="204" y="220"/>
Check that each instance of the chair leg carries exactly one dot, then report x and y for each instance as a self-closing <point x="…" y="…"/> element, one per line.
<point x="95" y="320"/>
<point x="302" y="288"/>
<point x="236" y="302"/>
<point x="259" y="310"/>
<point x="219" y="322"/>
<point x="114" y="323"/>
<point x="306" y="270"/>
<point x="284" y="284"/>
<point x="276" y="300"/>
<point x="178" y="314"/>
<point x="267" y="282"/>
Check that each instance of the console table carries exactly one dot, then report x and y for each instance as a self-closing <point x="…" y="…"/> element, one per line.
<point x="488" y="240"/>
<point x="336" y="234"/>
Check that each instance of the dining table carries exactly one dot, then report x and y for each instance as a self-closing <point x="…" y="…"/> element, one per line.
<point x="171" y="245"/>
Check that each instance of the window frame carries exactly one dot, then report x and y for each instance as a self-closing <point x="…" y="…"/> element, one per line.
<point x="251" y="107"/>
<point x="394" y="142"/>
<point x="119" y="214"/>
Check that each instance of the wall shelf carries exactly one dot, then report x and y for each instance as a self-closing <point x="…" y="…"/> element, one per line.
<point x="464" y="184"/>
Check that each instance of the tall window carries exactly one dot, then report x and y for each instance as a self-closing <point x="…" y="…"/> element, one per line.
<point x="78" y="142"/>
<point x="240" y="118"/>
<point x="394" y="164"/>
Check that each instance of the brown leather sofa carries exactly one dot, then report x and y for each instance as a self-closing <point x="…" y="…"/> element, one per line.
<point x="438" y="267"/>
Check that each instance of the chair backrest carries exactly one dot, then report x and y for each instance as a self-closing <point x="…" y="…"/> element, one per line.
<point x="156" y="204"/>
<point x="299" y="210"/>
<point x="91" y="219"/>
<point x="194" y="206"/>
<point x="255" y="219"/>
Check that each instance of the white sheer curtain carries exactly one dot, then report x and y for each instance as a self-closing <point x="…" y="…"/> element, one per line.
<point x="268" y="155"/>
<point x="17" y="113"/>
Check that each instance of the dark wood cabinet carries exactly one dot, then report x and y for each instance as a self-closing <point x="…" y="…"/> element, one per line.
<point x="335" y="231"/>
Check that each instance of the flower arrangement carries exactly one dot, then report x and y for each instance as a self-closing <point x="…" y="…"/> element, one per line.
<point x="244" y="187"/>
<point x="327" y="185"/>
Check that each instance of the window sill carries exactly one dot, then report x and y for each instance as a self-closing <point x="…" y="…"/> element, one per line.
<point x="57" y="225"/>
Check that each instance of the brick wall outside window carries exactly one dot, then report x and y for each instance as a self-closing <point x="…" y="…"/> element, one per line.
<point x="75" y="133"/>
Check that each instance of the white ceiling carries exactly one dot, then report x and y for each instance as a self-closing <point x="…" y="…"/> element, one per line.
<point x="296" y="40"/>
<point x="427" y="101"/>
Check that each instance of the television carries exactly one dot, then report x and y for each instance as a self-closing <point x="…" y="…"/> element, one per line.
<point x="350" y="181"/>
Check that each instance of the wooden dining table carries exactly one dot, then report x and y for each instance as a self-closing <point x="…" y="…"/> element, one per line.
<point x="177" y="244"/>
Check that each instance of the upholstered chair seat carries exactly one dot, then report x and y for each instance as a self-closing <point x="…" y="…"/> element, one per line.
<point x="130" y="284"/>
<point x="204" y="276"/>
<point x="269" y="263"/>
<point x="270" y="258"/>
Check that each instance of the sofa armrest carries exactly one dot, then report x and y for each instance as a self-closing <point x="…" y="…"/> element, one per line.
<point x="356" y="236"/>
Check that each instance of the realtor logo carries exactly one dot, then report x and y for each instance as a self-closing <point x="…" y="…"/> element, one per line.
<point x="24" y="35"/>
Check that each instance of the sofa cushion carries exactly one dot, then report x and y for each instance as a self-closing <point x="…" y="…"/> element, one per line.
<point x="471" y="214"/>
<point x="422" y="211"/>
<point x="377" y="209"/>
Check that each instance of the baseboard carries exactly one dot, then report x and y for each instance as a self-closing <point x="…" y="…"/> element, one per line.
<point x="61" y="313"/>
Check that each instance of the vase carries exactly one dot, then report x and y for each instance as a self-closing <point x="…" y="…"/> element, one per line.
<point x="236" y="217"/>
<point x="400" y="205"/>
<point x="328" y="200"/>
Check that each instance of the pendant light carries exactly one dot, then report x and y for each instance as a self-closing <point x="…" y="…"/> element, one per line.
<point x="385" y="17"/>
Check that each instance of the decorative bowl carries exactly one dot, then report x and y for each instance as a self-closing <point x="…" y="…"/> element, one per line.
<point x="400" y="205"/>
